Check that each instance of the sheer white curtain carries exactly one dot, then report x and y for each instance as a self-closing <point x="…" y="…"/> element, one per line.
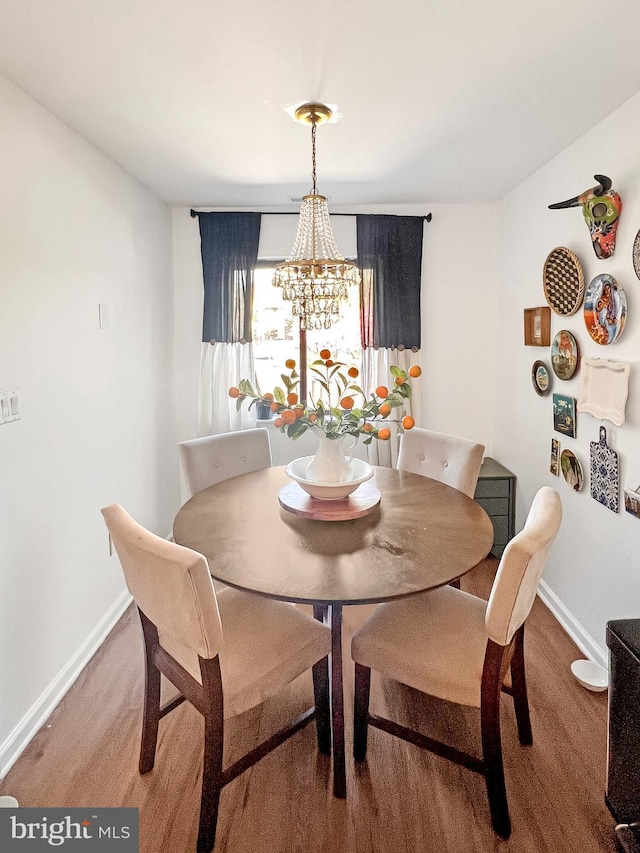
<point x="376" y="364"/>
<point x="221" y="366"/>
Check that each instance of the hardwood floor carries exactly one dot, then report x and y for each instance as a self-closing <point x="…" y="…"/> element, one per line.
<point x="400" y="799"/>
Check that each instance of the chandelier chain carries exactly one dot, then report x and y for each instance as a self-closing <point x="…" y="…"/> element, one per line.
<point x="313" y="156"/>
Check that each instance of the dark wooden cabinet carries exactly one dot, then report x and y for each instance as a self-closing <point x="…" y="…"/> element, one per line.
<point x="496" y="494"/>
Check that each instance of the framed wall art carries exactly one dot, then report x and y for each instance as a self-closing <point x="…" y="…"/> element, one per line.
<point x="537" y="327"/>
<point x="555" y="456"/>
<point x="540" y="378"/>
<point x="564" y="355"/>
<point x="632" y="501"/>
<point x="564" y="415"/>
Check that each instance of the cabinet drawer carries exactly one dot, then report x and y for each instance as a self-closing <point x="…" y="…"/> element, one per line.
<point x="500" y="529"/>
<point x="494" y="506"/>
<point x="492" y="489"/>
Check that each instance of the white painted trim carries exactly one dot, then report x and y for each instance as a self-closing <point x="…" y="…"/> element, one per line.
<point x="42" y="709"/>
<point x="574" y="629"/>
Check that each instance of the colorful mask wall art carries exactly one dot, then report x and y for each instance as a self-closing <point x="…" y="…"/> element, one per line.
<point x="601" y="208"/>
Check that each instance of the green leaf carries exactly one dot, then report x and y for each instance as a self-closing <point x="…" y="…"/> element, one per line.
<point x="239" y="403"/>
<point x="345" y="381"/>
<point x="368" y="440"/>
<point x="294" y="374"/>
<point x="296" y="429"/>
<point x="356" y="388"/>
<point x="278" y="393"/>
<point x="398" y="371"/>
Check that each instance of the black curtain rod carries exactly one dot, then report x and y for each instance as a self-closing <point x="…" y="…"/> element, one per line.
<point x="194" y="213"/>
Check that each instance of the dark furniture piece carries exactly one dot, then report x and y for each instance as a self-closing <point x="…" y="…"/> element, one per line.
<point x="623" y="766"/>
<point x="253" y="544"/>
<point x="496" y="494"/>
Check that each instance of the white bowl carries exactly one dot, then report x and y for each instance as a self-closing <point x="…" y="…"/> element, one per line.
<point x="591" y="675"/>
<point x="360" y="470"/>
<point x="8" y="803"/>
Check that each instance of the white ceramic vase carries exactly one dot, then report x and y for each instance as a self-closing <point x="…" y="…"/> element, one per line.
<point x="330" y="465"/>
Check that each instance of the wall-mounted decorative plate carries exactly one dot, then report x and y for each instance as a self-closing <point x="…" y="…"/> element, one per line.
<point x="572" y="470"/>
<point x="563" y="281"/>
<point x="605" y="309"/>
<point x="564" y="355"/>
<point x="540" y="378"/>
<point x="636" y="254"/>
<point x="604" y="388"/>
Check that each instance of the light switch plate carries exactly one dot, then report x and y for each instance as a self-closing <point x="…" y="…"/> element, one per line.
<point x="9" y="405"/>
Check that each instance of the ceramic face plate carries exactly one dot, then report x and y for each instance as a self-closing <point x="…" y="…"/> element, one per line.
<point x="605" y="309"/>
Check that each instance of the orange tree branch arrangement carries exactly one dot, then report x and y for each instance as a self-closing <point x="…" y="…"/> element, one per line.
<point x="338" y="415"/>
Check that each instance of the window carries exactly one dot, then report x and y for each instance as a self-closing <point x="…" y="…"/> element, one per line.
<point x="276" y="335"/>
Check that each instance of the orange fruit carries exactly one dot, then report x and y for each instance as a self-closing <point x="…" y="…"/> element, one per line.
<point x="312" y="416"/>
<point x="352" y="372"/>
<point x="329" y="363"/>
<point x="298" y="411"/>
<point x="292" y="399"/>
<point x="408" y="422"/>
<point x="277" y="422"/>
<point x="325" y="353"/>
<point x="382" y="391"/>
<point x="415" y="371"/>
<point x="234" y="392"/>
<point x="274" y="407"/>
<point x="288" y="417"/>
<point x="385" y="409"/>
<point x="347" y="402"/>
<point x="384" y="433"/>
<point x="367" y="427"/>
<point x="267" y="397"/>
<point x="290" y="364"/>
<point x="400" y="380"/>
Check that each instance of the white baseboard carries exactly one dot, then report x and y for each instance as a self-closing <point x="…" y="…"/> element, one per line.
<point x="33" y="720"/>
<point x="574" y="629"/>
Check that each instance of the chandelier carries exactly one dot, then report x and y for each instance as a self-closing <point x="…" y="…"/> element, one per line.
<point x="315" y="276"/>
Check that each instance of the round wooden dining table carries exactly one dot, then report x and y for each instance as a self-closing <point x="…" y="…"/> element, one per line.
<point x="422" y="535"/>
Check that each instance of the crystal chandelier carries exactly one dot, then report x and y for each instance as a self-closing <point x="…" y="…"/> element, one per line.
<point x="315" y="276"/>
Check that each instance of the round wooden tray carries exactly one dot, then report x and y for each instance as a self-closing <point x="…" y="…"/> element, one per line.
<point x="361" y="502"/>
<point x="563" y="281"/>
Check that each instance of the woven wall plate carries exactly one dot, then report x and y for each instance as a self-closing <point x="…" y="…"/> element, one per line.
<point x="563" y="281"/>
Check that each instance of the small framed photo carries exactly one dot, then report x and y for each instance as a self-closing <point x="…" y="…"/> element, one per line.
<point x="555" y="455"/>
<point x="632" y="501"/>
<point x="564" y="415"/>
<point x="537" y="326"/>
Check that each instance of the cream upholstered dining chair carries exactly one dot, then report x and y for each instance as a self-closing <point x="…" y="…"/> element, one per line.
<point x="209" y="460"/>
<point x="447" y="458"/>
<point x="224" y="655"/>
<point x="462" y="649"/>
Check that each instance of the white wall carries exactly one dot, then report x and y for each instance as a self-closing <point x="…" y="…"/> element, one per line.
<point x="593" y="573"/>
<point x="97" y="405"/>
<point x="458" y="309"/>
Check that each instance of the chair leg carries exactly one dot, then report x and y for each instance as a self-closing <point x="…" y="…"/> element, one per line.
<point x="151" y="710"/>
<point x="213" y="754"/>
<point x="519" y="684"/>
<point x="491" y="740"/>
<point x="323" y="704"/>
<point x="361" y="711"/>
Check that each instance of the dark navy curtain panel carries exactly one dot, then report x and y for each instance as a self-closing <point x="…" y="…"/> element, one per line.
<point x="390" y="260"/>
<point x="229" y="245"/>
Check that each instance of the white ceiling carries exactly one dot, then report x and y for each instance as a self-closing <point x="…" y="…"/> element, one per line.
<point x="442" y="100"/>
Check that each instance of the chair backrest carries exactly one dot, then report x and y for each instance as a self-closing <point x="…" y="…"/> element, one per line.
<point x="514" y="589"/>
<point x="170" y="584"/>
<point x="452" y="460"/>
<point x="209" y="460"/>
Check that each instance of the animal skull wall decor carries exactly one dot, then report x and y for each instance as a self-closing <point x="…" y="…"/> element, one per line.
<point x="601" y="208"/>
